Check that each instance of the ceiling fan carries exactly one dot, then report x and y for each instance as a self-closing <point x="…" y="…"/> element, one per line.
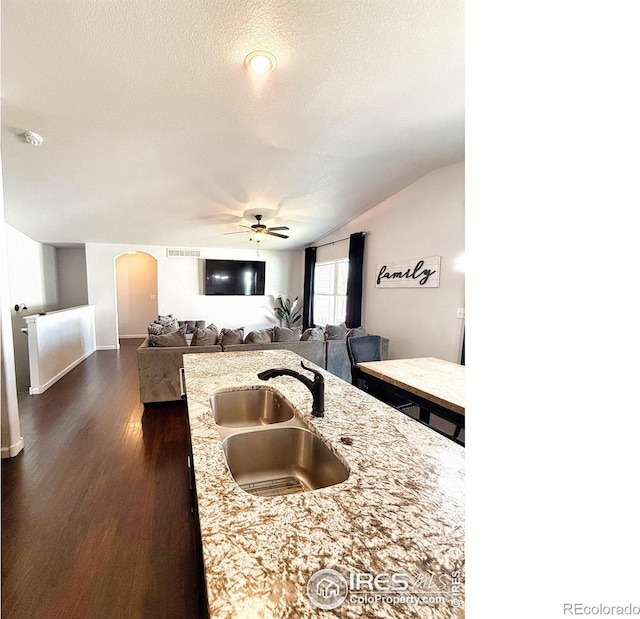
<point x="259" y="231"/>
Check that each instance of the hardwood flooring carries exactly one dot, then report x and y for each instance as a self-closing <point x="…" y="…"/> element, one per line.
<point x="96" y="516"/>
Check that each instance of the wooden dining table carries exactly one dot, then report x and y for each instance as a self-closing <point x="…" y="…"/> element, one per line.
<point x="435" y="385"/>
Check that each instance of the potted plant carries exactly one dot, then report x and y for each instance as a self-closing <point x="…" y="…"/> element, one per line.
<point x="289" y="313"/>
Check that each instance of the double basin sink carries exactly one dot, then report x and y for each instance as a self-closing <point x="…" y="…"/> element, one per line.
<point x="269" y="449"/>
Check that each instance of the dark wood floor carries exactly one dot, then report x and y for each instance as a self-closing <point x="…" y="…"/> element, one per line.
<point x="95" y="510"/>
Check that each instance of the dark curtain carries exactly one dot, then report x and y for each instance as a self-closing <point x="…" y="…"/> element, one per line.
<point x="309" y="275"/>
<point x="354" y="281"/>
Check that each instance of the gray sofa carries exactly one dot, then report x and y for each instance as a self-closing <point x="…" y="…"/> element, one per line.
<point x="159" y="370"/>
<point x="159" y="367"/>
<point x="312" y="350"/>
<point x="328" y="354"/>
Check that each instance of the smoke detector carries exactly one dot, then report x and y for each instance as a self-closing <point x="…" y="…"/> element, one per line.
<point x="33" y="138"/>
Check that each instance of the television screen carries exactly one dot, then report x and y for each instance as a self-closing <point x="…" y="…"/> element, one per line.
<point x="234" y="277"/>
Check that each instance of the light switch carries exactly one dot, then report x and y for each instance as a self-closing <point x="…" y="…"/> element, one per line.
<point x="460" y="312"/>
<point x="153" y="297"/>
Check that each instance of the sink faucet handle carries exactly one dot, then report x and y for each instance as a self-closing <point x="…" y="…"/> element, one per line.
<point x="317" y="376"/>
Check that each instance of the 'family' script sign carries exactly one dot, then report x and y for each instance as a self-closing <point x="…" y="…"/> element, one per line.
<point x="418" y="273"/>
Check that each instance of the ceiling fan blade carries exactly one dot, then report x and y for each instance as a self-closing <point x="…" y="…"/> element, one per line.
<point x="282" y="236"/>
<point x="239" y="232"/>
<point x="280" y="228"/>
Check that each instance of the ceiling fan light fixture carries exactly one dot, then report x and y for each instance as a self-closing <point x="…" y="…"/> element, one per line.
<point x="260" y="62"/>
<point x="258" y="236"/>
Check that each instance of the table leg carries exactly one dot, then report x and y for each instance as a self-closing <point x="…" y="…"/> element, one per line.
<point x="425" y="415"/>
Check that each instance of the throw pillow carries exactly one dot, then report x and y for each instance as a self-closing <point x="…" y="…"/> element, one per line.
<point x="174" y="338"/>
<point x="313" y="334"/>
<point x="357" y="332"/>
<point x="284" y="334"/>
<point x="205" y="337"/>
<point x="154" y="328"/>
<point x="191" y="325"/>
<point x="165" y="321"/>
<point x="260" y="336"/>
<point x="335" y="332"/>
<point x="231" y="336"/>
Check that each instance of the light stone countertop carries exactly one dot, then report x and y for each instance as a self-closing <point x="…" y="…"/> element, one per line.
<point x="434" y="379"/>
<point x="401" y="511"/>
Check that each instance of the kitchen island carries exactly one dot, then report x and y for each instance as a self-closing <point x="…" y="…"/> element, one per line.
<point x="394" y="529"/>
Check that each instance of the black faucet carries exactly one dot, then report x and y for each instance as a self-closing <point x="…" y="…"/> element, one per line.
<point x="316" y="386"/>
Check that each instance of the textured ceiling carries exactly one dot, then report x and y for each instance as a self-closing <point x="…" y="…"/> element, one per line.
<point x="155" y="133"/>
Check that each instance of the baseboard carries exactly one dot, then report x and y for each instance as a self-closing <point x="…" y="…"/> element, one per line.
<point x="42" y="388"/>
<point x="133" y="337"/>
<point x="13" y="450"/>
<point x="111" y="347"/>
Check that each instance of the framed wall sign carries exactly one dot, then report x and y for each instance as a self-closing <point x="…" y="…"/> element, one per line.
<point x="410" y="273"/>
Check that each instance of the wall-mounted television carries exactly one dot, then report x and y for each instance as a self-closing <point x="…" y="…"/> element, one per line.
<point x="234" y="277"/>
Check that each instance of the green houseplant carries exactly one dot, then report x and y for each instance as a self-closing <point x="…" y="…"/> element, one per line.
<point x="288" y="312"/>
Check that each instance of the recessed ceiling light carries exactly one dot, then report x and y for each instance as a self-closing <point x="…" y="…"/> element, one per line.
<point x="33" y="138"/>
<point x="260" y="62"/>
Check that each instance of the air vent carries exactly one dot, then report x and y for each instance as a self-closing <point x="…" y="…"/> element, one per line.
<point x="183" y="253"/>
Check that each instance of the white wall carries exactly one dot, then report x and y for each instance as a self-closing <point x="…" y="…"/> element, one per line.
<point x="11" y="439"/>
<point x="72" y="276"/>
<point x="58" y="342"/>
<point x="424" y="219"/>
<point x="32" y="281"/>
<point x="180" y="288"/>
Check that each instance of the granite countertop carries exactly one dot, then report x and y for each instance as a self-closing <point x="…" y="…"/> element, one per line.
<point x="399" y="516"/>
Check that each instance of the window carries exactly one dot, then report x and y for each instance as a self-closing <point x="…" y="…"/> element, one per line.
<point x="330" y="295"/>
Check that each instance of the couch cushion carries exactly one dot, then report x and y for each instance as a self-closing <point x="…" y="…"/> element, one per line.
<point x="174" y="338"/>
<point x="284" y="334"/>
<point x="335" y="332"/>
<point x="313" y="334"/>
<point x="207" y="336"/>
<point x="231" y="336"/>
<point x="259" y="336"/>
<point x="192" y="325"/>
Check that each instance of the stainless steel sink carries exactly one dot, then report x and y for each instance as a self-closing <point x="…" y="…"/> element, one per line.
<point x="249" y="407"/>
<point x="283" y="460"/>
